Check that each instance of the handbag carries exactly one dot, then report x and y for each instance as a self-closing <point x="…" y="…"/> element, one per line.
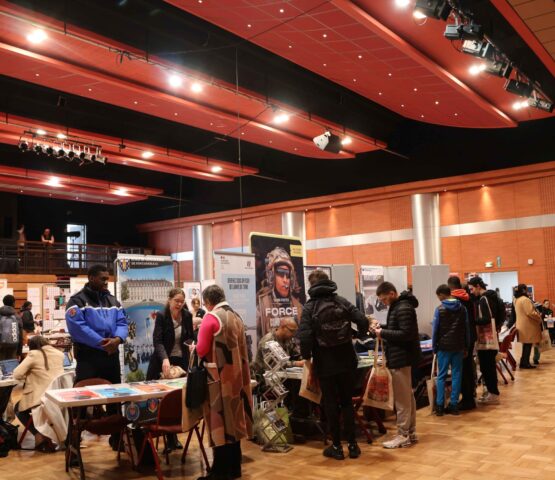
<point x="431" y="384"/>
<point x="310" y="389"/>
<point x="545" y="342"/>
<point x="195" y="393"/>
<point x="487" y="334"/>
<point x="379" y="390"/>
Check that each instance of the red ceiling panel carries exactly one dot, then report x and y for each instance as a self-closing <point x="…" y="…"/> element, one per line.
<point x="394" y="56"/>
<point x="90" y="69"/>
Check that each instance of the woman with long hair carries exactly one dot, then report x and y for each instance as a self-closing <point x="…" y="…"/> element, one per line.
<point x="173" y="332"/>
<point x="43" y="363"/>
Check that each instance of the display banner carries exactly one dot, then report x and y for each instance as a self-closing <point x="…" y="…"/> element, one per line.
<point x="235" y="273"/>
<point x="142" y="286"/>
<point x="192" y="290"/>
<point x="280" y="289"/>
<point x="308" y="269"/>
<point x="370" y="278"/>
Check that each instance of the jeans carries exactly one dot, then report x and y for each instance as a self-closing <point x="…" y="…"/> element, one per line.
<point x="488" y="369"/>
<point x="227" y="460"/>
<point x="405" y="405"/>
<point x="444" y="360"/>
<point x="337" y="400"/>
<point x="525" y="357"/>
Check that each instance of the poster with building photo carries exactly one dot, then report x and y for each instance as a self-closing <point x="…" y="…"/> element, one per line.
<point x="370" y="277"/>
<point x="308" y="269"/>
<point x="192" y="290"/>
<point x="142" y="286"/>
<point x="280" y="288"/>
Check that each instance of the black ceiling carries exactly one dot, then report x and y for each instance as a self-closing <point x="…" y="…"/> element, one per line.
<point x="421" y="151"/>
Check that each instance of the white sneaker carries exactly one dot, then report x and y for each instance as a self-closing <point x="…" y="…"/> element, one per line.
<point x="490" y="399"/>
<point x="413" y="438"/>
<point x="399" y="441"/>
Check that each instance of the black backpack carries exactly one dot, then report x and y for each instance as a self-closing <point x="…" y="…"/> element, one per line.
<point x="497" y="306"/>
<point x="9" y="331"/>
<point x="8" y="438"/>
<point x="333" y="322"/>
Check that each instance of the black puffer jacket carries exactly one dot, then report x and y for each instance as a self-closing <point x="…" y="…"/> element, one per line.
<point x="332" y="360"/>
<point x="402" y="344"/>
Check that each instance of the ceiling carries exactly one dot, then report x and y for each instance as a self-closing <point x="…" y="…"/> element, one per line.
<point x="102" y="74"/>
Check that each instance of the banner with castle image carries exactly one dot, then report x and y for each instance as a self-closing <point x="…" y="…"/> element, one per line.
<point x="142" y="286"/>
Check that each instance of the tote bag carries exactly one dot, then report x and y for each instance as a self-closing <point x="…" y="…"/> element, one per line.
<point x="487" y="334"/>
<point x="379" y="390"/>
<point x="310" y="390"/>
<point x="431" y="385"/>
<point x="545" y="343"/>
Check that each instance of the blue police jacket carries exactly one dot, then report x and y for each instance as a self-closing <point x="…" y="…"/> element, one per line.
<point x="92" y="316"/>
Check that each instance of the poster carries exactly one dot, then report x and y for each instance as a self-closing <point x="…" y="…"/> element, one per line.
<point x="280" y="291"/>
<point x="142" y="286"/>
<point x="34" y="295"/>
<point x="235" y="272"/>
<point x="308" y="269"/>
<point x="370" y="278"/>
<point x="192" y="290"/>
<point x="54" y="301"/>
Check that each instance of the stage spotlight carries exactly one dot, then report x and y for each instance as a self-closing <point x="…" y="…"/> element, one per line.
<point x="346" y="141"/>
<point x="402" y="3"/>
<point x="49" y="151"/>
<point x="521" y="89"/>
<point x="38" y="149"/>
<point x="281" y="118"/>
<point x="328" y="142"/>
<point x="477" y="69"/>
<point x="472" y="47"/>
<point x="37" y="36"/>
<point x="70" y="155"/>
<point x="439" y="9"/>
<point x="471" y="31"/>
<point x="216" y="169"/>
<point x="501" y="68"/>
<point x="175" y="81"/>
<point x="541" y="104"/>
<point x="23" y="146"/>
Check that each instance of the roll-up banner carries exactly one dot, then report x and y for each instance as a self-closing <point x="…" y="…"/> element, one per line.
<point x="280" y="291"/>
<point x="142" y="286"/>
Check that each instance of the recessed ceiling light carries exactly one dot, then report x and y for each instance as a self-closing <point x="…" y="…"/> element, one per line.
<point x="147" y="154"/>
<point x="325" y="35"/>
<point x="135" y="102"/>
<point x="325" y="64"/>
<point x="346" y="141"/>
<point x="90" y="89"/>
<point x="437" y="102"/>
<point x="290" y="46"/>
<point x="199" y="1"/>
<point x="402" y="105"/>
<point x="476" y="69"/>
<point x="379" y="93"/>
<point x="54" y="182"/>
<point x="21" y="191"/>
<point x="295" y="149"/>
<point x="456" y="114"/>
<point x="421" y="116"/>
<point x="196" y="87"/>
<point x="519" y="105"/>
<point x="354" y="79"/>
<point x="249" y="25"/>
<point x="270" y="141"/>
<point x="49" y="194"/>
<point x="281" y="118"/>
<point x="211" y="124"/>
<point x="419" y="15"/>
<point x="76" y="198"/>
<point x="175" y="114"/>
<point x="40" y="131"/>
<point x="216" y="169"/>
<point x="61" y="136"/>
<point x="37" y="36"/>
<point x="101" y="201"/>
<point x="389" y="74"/>
<point x="281" y="10"/>
<point x="37" y="74"/>
<point x="175" y="81"/>
<point x="121" y="191"/>
<point x="360" y="57"/>
<point x="415" y="89"/>
<point x="402" y="3"/>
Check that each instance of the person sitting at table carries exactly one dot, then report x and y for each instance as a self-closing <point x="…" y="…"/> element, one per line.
<point x="284" y="335"/>
<point x="173" y="330"/>
<point x="43" y="363"/>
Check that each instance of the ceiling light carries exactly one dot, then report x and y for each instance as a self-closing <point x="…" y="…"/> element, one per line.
<point x="147" y="154"/>
<point x="439" y="9"/>
<point x="499" y="68"/>
<point x="437" y="102"/>
<point x="541" y="104"/>
<point x="477" y="69"/>
<point x="346" y="141"/>
<point x="216" y="169"/>
<point x="470" y="31"/>
<point x="37" y="36"/>
<point x="40" y="131"/>
<point x="419" y="15"/>
<point x="402" y="3"/>
<point x="325" y="35"/>
<point x="380" y="93"/>
<point x="281" y="118"/>
<point x="54" y="182"/>
<point x="328" y="142"/>
<point x="121" y="191"/>
<point x="516" y="87"/>
<point x="415" y="89"/>
<point x="520" y="104"/>
<point x="249" y="25"/>
<point x="290" y="46"/>
<point x="281" y="10"/>
<point x="23" y="146"/>
<point x="175" y="81"/>
<point x="456" y="114"/>
<point x="38" y="149"/>
<point x="135" y="102"/>
<point x="360" y="57"/>
<point x="61" y="136"/>
<point x="90" y="89"/>
<point x="196" y="87"/>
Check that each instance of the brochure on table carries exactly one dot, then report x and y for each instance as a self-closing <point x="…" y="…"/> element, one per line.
<point x="142" y="286"/>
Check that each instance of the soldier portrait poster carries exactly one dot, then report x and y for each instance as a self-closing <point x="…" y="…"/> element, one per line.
<point x="142" y="286"/>
<point x="280" y="290"/>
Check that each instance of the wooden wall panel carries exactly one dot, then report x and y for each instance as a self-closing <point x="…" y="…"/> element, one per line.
<point x="310" y="224"/>
<point x="401" y="213"/>
<point x="527" y="198"/>
<point x="333" y="222"/>
<point x="476" y="250"/>
<point x="326" y="256"/>
<point x="371" y="217"/>
<point x="452" y="254"/>
<point x="449" y="208"/>
<point x="487" y="203"/>
<point x="186" y="271"/>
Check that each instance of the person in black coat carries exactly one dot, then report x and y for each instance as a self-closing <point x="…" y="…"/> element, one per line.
<point x="27" y="317"/>
<point x="334" y="357"/>
<point x="402" y="349"/>
<point x="173" y="332"/>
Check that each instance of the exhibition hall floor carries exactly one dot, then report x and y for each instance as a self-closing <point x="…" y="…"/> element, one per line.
<point x="515" y="439"/>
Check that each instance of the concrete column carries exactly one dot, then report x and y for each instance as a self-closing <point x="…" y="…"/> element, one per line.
<point x="426" y="229"/>
<point x="293" y="225"/>
<point x="203" y="259"/>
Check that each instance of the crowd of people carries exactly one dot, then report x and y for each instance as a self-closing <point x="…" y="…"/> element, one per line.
<point x="465" y="329"/>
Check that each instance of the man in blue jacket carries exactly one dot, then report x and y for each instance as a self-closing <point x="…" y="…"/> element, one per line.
<point x="98" y="325"/>
<point x="450" y="337"/>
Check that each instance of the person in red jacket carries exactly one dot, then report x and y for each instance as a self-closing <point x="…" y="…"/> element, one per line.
<point x="468" y="384"/>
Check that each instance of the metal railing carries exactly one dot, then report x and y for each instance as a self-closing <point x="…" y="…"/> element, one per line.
<point x="59" y="258"/>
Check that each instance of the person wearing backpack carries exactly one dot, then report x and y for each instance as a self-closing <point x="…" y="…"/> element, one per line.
<point x="450" y="338"/>
<point x="325" y="336"/>
<point x="486" y="307"/>
<point x="11" y="330"/>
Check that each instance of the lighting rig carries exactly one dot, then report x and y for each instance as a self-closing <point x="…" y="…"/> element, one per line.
<point x="61" y="146"/>
<point x="475" y="42"/>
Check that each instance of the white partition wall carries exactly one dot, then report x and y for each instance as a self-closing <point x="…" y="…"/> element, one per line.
<point x="425" y="280"/>
<point x="344" y="277"/>
<point x="397" y="276"/>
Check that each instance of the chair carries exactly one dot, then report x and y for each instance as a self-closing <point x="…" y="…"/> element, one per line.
<point x="169" y="422"/>
<point x="505" y="355"/>
<point x="360" y="419"/>
<point x="98" y="424"/>
<point x="25" y="430"/>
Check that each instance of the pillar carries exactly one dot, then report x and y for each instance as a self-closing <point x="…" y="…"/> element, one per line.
<point x="426" y="229"/>
<point x="203" y="259"/>
<point x="293" y="225"/>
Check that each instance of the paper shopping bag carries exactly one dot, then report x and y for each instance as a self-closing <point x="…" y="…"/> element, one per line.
<point x="545" y="343"/>
<point x="310" y="387"/>
<point x="379" y="390"/>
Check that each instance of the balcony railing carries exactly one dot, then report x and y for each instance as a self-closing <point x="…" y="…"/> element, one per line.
<point x="59" y="258"/>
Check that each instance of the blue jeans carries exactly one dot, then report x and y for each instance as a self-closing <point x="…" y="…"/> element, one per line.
<point x="444" y="359"/>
